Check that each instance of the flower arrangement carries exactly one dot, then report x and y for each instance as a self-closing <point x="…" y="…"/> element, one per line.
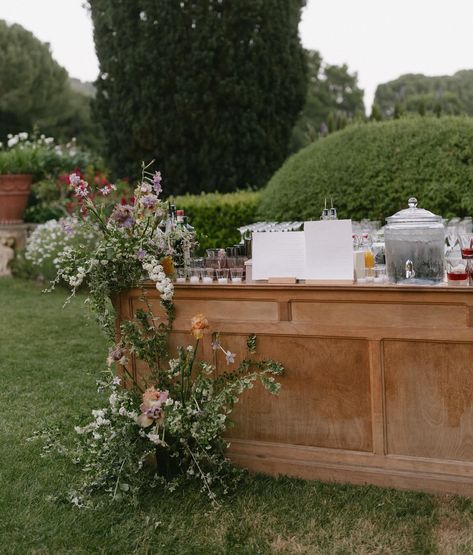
<point x="132" y="247"/>
<point x="168" y="432"/>
<point x="166" y="427"/>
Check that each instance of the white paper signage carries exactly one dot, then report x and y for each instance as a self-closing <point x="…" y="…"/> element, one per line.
<point x="322" y="252"/>
<point x="279" y="254"/>
<point x="328" y="250"/>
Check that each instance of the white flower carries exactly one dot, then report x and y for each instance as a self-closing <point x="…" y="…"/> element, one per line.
<point x="23" y="136"/>
<point x="154" y="438"/>
<point x="12" y="142"/>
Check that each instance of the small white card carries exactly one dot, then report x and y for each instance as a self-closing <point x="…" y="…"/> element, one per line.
<point x="329" y="250"/>
<point x="279" y="254"/>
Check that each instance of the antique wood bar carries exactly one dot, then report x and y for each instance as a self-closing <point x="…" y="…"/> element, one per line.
<point x="378" y="386"/>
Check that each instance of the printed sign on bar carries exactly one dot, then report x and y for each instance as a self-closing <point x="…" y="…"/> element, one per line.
<point x="279" y="254"/>
<point x="329" y="250"/>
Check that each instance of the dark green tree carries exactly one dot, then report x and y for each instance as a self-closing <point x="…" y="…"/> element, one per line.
<point x="210" y="88"/>
<point x="35" y="90"/>
<point x="331" y="90"/>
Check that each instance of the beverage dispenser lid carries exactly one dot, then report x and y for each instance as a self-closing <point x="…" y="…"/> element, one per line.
<point x="413" y="215"/>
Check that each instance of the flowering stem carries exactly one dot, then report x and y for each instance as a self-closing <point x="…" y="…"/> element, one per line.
<point x="191" y="363"/>
<point x="132" y="378"/>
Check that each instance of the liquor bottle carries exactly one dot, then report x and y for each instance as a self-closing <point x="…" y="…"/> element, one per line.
<point x="171" y="220"/>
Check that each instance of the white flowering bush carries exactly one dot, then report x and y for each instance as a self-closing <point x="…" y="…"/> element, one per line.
<point x="48" y="242"/>
<point x="25" y="153"/>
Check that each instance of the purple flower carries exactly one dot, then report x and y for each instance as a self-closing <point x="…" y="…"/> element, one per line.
<point x="230" y="357"/>
<point x="122" y="215"/>
<point x="117" y="380"/>
<point x="115" y="354"/>
<point x="215" y="345"/>
<point x="157" y="182"/>
<point x="149" y="201"/>
<point x="141" y="254"/>
<point x="67" y="228"/>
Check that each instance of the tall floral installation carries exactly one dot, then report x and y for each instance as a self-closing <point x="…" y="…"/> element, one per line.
<point x="167" y="427"/>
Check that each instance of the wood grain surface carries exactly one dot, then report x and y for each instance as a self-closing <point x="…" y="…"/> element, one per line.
<point x="378" y="386"/>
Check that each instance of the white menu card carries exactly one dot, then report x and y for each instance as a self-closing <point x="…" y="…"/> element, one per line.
<point x="278" y="254"/>
<point x="328" y="250"/>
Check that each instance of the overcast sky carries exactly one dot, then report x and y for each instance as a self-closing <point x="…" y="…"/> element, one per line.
<point x="379" y="39"/>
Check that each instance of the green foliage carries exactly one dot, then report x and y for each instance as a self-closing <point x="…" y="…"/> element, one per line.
<point x="210" y="90"/>
<point x="372" y="169"/>
<point x="216" y="216"/>
<point x="333" y="98"/>
<point x="35" y="91"/>
<point x="417" y="93"/>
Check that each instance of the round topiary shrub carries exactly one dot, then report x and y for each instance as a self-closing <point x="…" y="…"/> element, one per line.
<point x="371" y="170"/>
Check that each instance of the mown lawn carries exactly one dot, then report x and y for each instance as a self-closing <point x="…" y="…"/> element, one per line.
<point x="49" y="357"/>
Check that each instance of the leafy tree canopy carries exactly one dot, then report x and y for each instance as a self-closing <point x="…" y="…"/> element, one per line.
<point x="210" y="89"/>
<point x="445" y="94"/>
<point x="333" y="98"/>
<point x="35" y="90"/>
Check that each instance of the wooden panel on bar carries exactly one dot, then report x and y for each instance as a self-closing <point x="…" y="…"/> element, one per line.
<point x="325" y="396"/>
<point x="429" y="399"/>
<point x="374" y="314"/>
<point x="378" y="385"/>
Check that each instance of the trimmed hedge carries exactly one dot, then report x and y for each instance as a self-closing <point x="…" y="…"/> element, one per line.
<point x="371" y="170"/>
<point x="216" y="216"/>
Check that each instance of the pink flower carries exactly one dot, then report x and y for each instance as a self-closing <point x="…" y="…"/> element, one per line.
<point x="74" y="179"/>
<point x="152" y="406"/>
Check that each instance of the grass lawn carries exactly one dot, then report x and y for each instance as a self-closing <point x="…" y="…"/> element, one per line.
<point x="49" y="357"/>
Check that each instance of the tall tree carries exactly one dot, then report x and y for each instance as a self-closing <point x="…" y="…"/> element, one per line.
<point x="35" y="90"/>
<point x="209" y="88"/>
<point x="447" y="94"/>
<point x="333" y="98"/>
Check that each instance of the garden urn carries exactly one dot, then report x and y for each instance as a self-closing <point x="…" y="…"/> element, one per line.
<point x="14" y="193"/>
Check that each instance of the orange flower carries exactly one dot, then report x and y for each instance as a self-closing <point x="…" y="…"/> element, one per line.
<point x="150" y="395"/>
<point x="168" y="265"/>
<point x="198" y="324"/>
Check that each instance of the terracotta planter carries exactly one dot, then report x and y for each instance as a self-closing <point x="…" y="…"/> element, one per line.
<point x="14" y="192"/>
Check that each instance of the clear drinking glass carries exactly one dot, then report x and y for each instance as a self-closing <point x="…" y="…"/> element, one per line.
<point x="236" y="275"/>
<point x="457" y="271"/>
<point x="466" y="245"/>
<point x="380" y="273"/>
<point x="222" y="275"/>
<point x="181" y="275"/>
<point x="208" y="275"/>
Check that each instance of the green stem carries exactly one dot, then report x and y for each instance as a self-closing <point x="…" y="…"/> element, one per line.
<point x="191" y="364"/>
<point x="132" y="378"/>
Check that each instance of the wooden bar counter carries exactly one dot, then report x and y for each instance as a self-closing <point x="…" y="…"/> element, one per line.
<point x="378" y="386"/>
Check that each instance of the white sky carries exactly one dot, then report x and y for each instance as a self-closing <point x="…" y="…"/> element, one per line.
<point x="380" y="39"/>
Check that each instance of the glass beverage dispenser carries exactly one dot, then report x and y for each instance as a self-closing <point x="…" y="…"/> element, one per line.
<point x="415" y="245"/>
